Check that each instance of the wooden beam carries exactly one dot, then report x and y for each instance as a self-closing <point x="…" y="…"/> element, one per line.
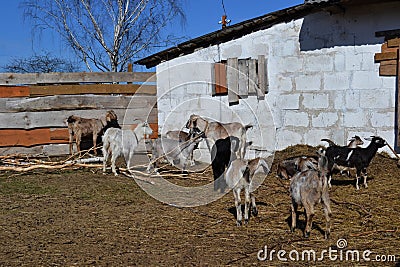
<point x="388" y="33"/>
<point x="385" y="56"/>
<point x="232" y="75"/>
<point x="79" y="89"/>
<point x="14" y="91"/>
<point x="385" y="48"/>
<point x="26" y="138"/>
<point x="394" y="43"/>
<point x="75" y="77"/>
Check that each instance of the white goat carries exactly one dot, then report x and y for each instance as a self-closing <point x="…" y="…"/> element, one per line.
<point x="176" y="152"/>
<point x="119" y="142"/>
<point x="238" y="176"/>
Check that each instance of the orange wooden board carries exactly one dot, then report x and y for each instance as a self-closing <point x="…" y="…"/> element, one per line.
<point x="26" y="138"/>
<point x="14" y="91"/>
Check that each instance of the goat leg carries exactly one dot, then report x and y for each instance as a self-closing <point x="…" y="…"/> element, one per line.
<point x="254" y="210"/>
<point x="365" y="177"/>
<point x="236" y="194"/>
<point x="310" y="215"/>
<point x="246" y="205"/>
<point x="293" y="208"/>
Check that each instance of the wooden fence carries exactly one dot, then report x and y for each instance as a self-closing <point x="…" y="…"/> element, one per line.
<point x="34" y="107"/>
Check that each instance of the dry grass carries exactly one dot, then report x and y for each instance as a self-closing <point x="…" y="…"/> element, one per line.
<point x="81" y="217"/>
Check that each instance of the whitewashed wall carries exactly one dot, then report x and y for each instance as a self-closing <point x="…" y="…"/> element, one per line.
<point x="323" y="82"/>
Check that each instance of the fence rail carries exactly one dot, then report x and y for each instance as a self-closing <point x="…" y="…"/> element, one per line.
<point x="34" y="107"/>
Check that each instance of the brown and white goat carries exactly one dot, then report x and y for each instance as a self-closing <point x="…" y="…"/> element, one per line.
<point x="80" y="127"/>
<point x="308" y="188"/>
<point x="290" y="166"/>
<point x="238" y="176"/>
<point x="217" y="130"/>
<point x="182" y="136"/>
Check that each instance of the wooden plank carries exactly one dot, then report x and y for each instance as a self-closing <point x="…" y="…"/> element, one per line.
<point x="243" y="78"/>
<point x="59" y="134"/>
<point x="232" y="76"/>
<point x="385" y="56"/>
<point x="262" y="78"/>
<point x="253" y="77"/>
<point x="55" y="119"/>
<point x="385" y="48"/>
<point x="220" y="86"/>
<point x="73" y="102"/>
<point x="76" y="89"/>
<point x="26" y="138"/>
<point x="388" y="70"/>
<point x="393" y="43"/>
<point x="14" y="91"/>
<point x="75" y="77"/>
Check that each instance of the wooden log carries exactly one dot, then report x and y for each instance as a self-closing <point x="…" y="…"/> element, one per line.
<point x="54" y="119"/>
<point x="232" y="75"/>
<point x="75" y="77"/>
<point x="72" y="102"/>
<point x="14" y="91"/>
<point x="79" y="89"/>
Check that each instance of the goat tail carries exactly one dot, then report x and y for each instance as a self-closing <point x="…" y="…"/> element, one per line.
<point x="331" y="143"/>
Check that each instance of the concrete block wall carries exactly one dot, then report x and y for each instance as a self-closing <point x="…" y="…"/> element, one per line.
<point x="317" y="89"/>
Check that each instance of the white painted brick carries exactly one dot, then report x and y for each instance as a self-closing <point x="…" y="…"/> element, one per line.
<point x="280" y="83"/>
<point x="315" y="101"/>
<point x="352" y="61"/>
<point x="313" y="136"/>
<point x="296" y="118"/>
<point x="337" y="81"/>
<point x="325" y="119"/>
<point x="288" y="48"/>
<point x="287" y="138"/>
<point x="319" y="63"/>
<point x="352" y="98"/>
<point x="287" y="64"/>
<point x="339" y="62"/>
<point x="375" y="99"/>
<point x="355" y="119"/>
<point x="338" y="99"/>
<point x="290" y="101"/>
<point x="308" y="82"/>
<point x="385" y="119"/>
<point x="366" y="80"/>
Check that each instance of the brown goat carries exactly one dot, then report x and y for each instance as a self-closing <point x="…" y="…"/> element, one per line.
<point x="309" y="188"/>
<point x="290" y="166"/>
<point x="79" y="127"/>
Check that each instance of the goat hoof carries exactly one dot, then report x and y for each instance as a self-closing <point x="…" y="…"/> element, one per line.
<point x="292" y="229"/>
<point x="306" y="234"/>
<point x="327" y="235"/>
<point x="366" y="186"/>
<point x="238" y="223"/>
<point x="246" y="221"/>
<point x="254" y="212"/>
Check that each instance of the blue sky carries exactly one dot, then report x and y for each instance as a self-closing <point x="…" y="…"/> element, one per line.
<point x="202" y="18"/>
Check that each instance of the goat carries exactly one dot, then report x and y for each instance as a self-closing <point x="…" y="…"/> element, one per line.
<point x="217" y="130"/>
<point x="174" y="151"/>
<point x="355" y="141"/>
<point x="182" y="136"/>
<point x="290" y="166"/>
<point x="307" y="188"/>
<point x="239" y="175"/>
<point x="358" y="158"/>
<point x="79" y="127"/>
<point x="223" y="152"/>
<point x="119" y="142"/>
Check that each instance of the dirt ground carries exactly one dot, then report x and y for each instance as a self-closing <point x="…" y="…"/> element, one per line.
<point x="84" y="218"/>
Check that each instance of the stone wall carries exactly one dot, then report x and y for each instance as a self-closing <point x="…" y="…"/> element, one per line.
<point x="323" y="82"/>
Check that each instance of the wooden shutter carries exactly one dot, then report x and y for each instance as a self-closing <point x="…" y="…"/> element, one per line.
<point x="220" y="87"/>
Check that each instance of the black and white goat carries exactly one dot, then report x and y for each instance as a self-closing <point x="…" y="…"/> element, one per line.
<point x="176" y="152"/>
<point x="308" y="188"/>
<point x="354" y="142"/>
<point x="358" y="158"/>
<point x="223" y="152"/>
<point x="238" y="176"/>
<point x="119" y="142"/>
